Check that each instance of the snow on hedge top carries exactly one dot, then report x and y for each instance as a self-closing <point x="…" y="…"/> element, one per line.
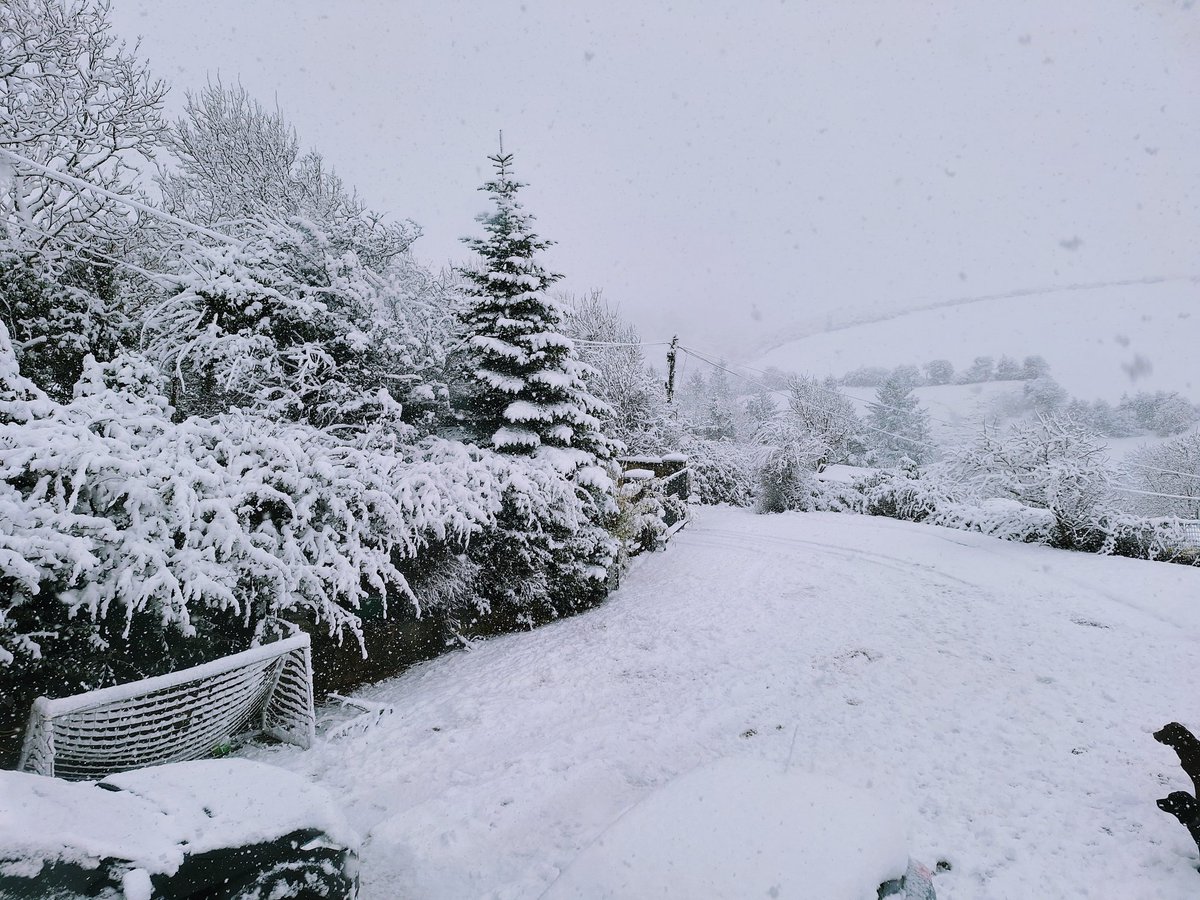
<point x="156" y="815"/>
<point x="214" y="803"/>
<point x="742" y="828"/>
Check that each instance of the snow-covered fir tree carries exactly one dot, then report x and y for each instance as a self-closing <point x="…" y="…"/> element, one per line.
<point x="527" y="384"/>
<point x="526" y="397"/>
<point x="901" y="426"/>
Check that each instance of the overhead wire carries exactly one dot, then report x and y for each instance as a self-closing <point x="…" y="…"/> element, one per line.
<point x="1150" y="468"/>
<point x="1128" y="490"/>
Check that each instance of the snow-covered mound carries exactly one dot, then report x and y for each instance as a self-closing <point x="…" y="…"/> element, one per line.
<point x="1100" y="342"/>
<point x="160" y="822"/>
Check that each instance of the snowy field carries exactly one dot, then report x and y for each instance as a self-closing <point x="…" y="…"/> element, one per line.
<point x="999" y="698"/>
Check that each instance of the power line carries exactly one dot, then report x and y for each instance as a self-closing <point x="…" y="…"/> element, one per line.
<point x="1129" y="490"/>
<point x="620" y="343"/>
<point x="1158" y="469"/>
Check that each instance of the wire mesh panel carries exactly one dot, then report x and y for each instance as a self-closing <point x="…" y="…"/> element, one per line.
<point x="181" y="716"/>
<point x="1190" y="532"/>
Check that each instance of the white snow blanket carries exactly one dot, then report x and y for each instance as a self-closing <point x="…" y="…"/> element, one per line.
<point x="997" y="698"/>
<point x="742" y="828"/>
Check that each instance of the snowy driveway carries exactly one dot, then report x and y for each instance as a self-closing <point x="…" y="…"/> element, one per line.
<point x="1002" y="696"/>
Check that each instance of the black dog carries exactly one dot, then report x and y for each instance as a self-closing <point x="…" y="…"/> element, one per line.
<point x="1187" y="746"/>
<point x="1184" y="807"/>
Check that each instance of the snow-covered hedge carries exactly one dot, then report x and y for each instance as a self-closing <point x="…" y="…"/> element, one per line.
<point x="126" y="536"/>
<point x="1004" y="519"/>
<point x="1167" y="539"/>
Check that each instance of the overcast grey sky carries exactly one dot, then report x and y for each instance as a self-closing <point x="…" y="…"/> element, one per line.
<point x="731" y="171"/>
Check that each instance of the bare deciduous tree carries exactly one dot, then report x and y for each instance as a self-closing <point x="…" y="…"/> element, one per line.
<point x="75" y="100"/>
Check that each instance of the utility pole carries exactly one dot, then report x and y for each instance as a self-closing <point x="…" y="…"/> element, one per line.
<point x="671" y="368"/>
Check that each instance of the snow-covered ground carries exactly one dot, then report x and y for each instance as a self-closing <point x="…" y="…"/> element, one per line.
<point x="999" y="698"/>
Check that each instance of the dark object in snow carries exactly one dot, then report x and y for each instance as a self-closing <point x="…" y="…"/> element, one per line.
<point x="1187" y="746"/>
<point x="212" y="829"/>
<point x="1184" y="807"/>
<point x="915" y="884"/>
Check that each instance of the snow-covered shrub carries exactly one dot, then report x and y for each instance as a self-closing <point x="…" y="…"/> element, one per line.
<point x="982" y="368"/>
<point x="641" y="522"/>
<point x="787" y="470"/>
<point x="1044" y="395"/>
<point x="1004" y="519"/>
<point x="939" y="371"/>
<point x="287" y="324"/>
<point x="1169" y="473"/>
<point x="905" y="492"/>
<point x="1052" y="464"/>
<point x="819" y="427"/>
<point x="865" y="376"/>
<point x="55" y="321"/>
<point x="547" y="552"/>
<point x="646" y="512"/>
<point x="1167" y="539"/>
<point x="131" y="544"/>
<point x="721" y="472"/>
<point x="835" y="496"/>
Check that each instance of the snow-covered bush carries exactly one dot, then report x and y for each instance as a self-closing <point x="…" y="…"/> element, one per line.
<point x="721" y="472"/>
<point x="1162" y="412"/>
<point x="543" y="555"/>
<point x="865" y="376"/>
<point x="995" y="517"/>
<point x="1169" y="474"/>
<point x="55" y="319"/>
<point x="905" y="492"/>
<point x="131" y="544"/>
<point x="1051" y="464"/>
<point x="1044" y="395"/>
<point x="1166" y="539"/>
<point x="287" y="325"/>
<point x="939" y="371"/>
<point x="819" y="427"/>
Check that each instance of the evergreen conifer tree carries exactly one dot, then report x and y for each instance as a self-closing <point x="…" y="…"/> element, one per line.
<point x="526" y="397"/>
<point x="528" y="390"/>
<point x="895" y="410"/>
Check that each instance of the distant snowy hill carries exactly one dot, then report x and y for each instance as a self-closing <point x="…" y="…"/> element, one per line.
<point x="1099" y="341"/>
